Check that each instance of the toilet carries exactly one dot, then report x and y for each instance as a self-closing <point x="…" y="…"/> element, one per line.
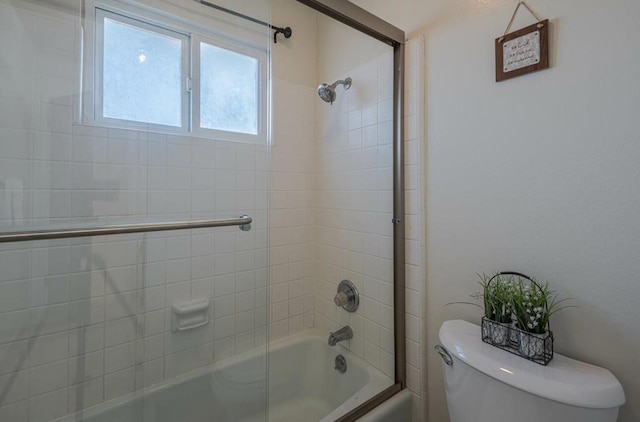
<point x="486" y="384"/>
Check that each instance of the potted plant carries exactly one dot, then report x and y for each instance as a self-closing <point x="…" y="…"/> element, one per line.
<point x="533" y="305"/>
<point x="516" y="317"/>
<point x="496" y="295"/>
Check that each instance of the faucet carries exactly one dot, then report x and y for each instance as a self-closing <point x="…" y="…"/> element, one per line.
<point x="345" y="333"/>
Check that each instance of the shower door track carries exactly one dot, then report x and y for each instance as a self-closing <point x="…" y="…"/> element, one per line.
<point x="369" y="24"/>
<point x="244" y="222"/>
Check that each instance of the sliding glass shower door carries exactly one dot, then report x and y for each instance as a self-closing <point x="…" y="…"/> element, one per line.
<point x="142" y="126"/>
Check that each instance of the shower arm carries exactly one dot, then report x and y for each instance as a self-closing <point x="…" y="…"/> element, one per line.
<point x="345" y="82"/>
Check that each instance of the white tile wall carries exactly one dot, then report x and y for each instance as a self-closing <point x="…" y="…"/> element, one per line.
<point x="415" y="218"/>
<point x="354" y="207"/>
<point x="292" y="216"/>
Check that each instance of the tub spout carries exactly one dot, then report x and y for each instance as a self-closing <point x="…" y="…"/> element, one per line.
<point x="345" y="333"/>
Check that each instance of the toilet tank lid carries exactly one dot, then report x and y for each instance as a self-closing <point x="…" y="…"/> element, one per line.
<point x="564" y="380"/>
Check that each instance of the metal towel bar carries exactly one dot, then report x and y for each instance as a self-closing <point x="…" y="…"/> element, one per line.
<point x="244" y="222"/>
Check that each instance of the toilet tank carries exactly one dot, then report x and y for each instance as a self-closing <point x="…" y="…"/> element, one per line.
<point x="486" y="384"/>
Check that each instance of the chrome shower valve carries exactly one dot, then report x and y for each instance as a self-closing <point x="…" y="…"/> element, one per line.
<point x="347" y="297"/>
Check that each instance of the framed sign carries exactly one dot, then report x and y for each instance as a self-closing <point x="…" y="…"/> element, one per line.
<point x="524" y="51"/>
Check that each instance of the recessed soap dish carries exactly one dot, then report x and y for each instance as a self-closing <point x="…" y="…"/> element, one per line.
<point x="190" y="315"/>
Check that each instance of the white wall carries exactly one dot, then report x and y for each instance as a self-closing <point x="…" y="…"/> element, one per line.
<point x="341" y="49"/>
<point x="537" y="174"/>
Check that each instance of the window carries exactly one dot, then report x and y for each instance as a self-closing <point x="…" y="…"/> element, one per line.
<point x="141" y="72"/>
<point x="162" y="74"/>
<point x="228" y="90"/>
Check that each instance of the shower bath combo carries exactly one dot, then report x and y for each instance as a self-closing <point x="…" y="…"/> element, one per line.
<point x="164" y="400"/>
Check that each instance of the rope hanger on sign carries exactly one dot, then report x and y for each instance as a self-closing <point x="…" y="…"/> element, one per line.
<point x="513" y="17"/>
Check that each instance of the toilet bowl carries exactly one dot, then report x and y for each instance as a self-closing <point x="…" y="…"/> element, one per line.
<point x="486" y="384"/>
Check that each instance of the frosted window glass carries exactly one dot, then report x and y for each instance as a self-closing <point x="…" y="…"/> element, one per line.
<point x="142" y="75"/>
<point x="228" y="90"/>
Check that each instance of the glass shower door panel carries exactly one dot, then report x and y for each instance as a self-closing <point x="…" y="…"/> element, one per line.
<point x="354" y="147"/>
<point x="133" y="327"/>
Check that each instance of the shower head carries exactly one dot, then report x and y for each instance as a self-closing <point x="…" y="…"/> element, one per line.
<point x="328" y="92"/>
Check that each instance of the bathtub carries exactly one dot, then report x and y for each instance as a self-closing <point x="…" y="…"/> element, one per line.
<point x="303" y="386"/>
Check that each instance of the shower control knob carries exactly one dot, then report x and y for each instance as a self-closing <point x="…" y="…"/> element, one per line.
<point x="341" y="299"/>
<point x="347" y="297"/>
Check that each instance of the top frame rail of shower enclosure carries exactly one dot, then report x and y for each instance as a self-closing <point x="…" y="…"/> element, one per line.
<point x="244" y="222"/>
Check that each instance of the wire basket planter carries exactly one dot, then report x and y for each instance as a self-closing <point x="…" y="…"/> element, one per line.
<point x="535" y="347"/>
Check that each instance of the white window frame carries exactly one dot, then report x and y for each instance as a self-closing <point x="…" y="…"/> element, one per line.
<point x="261" y="119"/>
<point x="102" y="14"/>
<point x="89" y="110"/>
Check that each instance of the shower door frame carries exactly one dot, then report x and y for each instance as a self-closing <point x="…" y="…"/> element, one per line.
<point x="369" y="24"/>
